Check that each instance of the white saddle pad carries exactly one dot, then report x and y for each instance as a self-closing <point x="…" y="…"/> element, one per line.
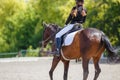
<point x="69" y="39"/>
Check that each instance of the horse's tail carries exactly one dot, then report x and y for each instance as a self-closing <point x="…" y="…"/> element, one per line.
<point x="111" y="51"/>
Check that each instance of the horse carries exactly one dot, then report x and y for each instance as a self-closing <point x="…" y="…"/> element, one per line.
<point x="88" y="43"/>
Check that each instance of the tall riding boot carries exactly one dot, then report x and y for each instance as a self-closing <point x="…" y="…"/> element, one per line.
<point x="58" y="46"/>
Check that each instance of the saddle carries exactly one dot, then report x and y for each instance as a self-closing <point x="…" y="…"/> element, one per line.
<point x="67" y="38"/>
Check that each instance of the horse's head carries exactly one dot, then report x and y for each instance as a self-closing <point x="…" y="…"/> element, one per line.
<point x="49" y="33"/>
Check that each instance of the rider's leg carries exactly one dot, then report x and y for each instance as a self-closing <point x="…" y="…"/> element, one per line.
<point x="59" y="35"/>
<point x="58" y="46"/>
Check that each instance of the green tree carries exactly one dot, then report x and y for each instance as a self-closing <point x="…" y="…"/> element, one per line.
<point x="105" y="15"/>
<point x="7" y="11"/>
<point x="21" y="20"/>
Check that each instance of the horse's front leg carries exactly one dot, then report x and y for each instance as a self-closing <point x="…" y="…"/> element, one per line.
<point x="54" y="64"/>
<point x="66" y="67"/>
<point x="85" y="68"/>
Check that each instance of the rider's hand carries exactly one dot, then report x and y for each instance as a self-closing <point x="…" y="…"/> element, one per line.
<point x="74" y="13"/>
<point x="83" y="13"/>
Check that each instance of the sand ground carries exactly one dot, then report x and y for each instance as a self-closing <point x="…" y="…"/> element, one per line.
<point x="38" y="68"/>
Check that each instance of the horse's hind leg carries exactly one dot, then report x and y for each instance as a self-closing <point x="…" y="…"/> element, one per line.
<point x="85" y="68"/>
<point x="54" y="64"/>
<point x="97" y="68"/>
<point x="66" y="67"/>
<point x="96" y="63"/>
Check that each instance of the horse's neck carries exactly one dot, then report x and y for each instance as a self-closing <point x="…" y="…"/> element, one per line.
<point x="57" y="30"/>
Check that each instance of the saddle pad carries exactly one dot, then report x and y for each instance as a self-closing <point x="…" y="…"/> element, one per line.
<point x="69" y="38"/>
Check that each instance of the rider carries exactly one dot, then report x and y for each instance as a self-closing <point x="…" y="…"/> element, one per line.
<point x="77" y="15"/>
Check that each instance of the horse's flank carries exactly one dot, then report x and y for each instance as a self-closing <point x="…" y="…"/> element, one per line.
<point x="75" y="47"/>
<point x="78" y="47"/>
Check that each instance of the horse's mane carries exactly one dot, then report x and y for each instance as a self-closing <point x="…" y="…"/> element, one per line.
<point x="55" y="26"/>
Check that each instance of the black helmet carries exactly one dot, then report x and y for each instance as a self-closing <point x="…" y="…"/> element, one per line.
<point x="79" y="0"/>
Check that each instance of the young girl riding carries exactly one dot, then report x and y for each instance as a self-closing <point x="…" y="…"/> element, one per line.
<point x="77" y="15"/>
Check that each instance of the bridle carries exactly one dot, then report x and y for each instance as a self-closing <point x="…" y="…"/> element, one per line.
<point x="43" y="41"/>
<point x="50" y="37"/>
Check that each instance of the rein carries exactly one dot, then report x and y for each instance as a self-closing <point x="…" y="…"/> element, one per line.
<point x="48" y="38"/>
<point x="41" y="50"/>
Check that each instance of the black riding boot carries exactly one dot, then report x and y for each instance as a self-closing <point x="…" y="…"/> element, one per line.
<point x="58" y="46"/>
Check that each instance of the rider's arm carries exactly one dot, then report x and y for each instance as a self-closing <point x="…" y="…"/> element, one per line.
<point x="68" y="19"/>
<point x="70" y="16"/>
<point x="85" y="14"/>
<point x="84" y="19"/>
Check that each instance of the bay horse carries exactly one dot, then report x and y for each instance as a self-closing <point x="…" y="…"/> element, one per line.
<point x="88" y="43"/>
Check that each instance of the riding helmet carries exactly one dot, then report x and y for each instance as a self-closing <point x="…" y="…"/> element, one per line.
<point x="79" y="0"/>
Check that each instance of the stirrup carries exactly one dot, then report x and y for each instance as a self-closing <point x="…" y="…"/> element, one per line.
<point x="56" y="53"/>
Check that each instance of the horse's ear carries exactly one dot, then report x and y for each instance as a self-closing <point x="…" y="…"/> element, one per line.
<point x="44" y="24"/>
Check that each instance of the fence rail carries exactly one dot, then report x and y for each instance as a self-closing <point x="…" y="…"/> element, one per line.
<point x="23" y="53"/>
<point x="1" y="54"/>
